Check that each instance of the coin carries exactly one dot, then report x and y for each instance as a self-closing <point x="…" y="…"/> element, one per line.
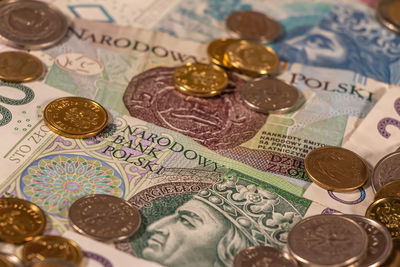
<point x="394" y="259"/>
<point x="9" y="260"/>
<point x="327" y="240"/>
<point x="52" y="263"/>
<point x="252" y="59"/>
<point x="386" y="170"/>
<point x="104" y="217"/>
<point x="269" y="95"/>
<point x="19" y="67"/>
<point x="336" y="168"/>
<point x="31" y="24"/>
<point x="50" y="246"/>
<point x="217" y="52"/>
<point x="20" y="220"/>
<point x="263" y="256"/>
<point x="386" y="211"/>
<point x="379" y="241"/>
<point x="253" y="25"/>
<point x="75" y="117"/>
<point x="203" y="80"/>
<point x="388" y="13"/>
<point x="391" y="189"/>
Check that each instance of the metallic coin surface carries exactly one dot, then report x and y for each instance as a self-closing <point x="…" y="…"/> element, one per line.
<point x="9" y="260"/>
<point x="104" y="217"/>
<point x="336" y="168"/>
<point x="19" y="67"/>
<point x="203" y="80"/>
<point x="394" y="259"/>
<point x="52" y="263"/>
<point x="388" y="13"/>
<point x="386" y="170"/>
<point x="263" y="256"/>
<point x="253" y="59"/>
<point x="75" y="117"/>
<point x="216" y="52"/>
<point x="386" y="211"/>
<point x="269" y="95"/>
<point x="327" y="240"/>
<point x="379" y="241"/>
<point x="253" y="25"/>
<point x="29" y="24"/>
<point x="50" y="246"/>
<point x="391" y="189"/>
<point x="20" y="220"/>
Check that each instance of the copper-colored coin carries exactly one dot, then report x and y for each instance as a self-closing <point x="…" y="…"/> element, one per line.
<point x="9" y="260"/>
<point x="386" y="211"/>
<point x="388" y="12"/>
<point x="104" y="217"/>
<point x="336" y="168"/>
<point x="19" y="67"/>
<point x="391" y="189"/>
<point x="252" y="59"/>
<point x="55" y="247"/>
<point x="20" y="220"/>
<point x="52" y="263"/>
<point x="203" y="80"/>
<point x="217" y="52"/>
<point x="253" y="25"/>
<point x="263" y="256"/>
<point x="75" y="117"/>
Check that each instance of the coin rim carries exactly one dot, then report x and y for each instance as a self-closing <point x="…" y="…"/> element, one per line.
<point x="16" y="44"/>
<point x="328" y="187"/>
<point x="383" y="16"/>
<point x="33" y="77"/>
<point x="387" y="252"/>
<point x="283" y="253"/>
<point x="39" y="211"/>
<point x="247" y="69"/>
<point x="119" y="238"/>
<point x="211" y="56"/>
<point x="59" y="131"/>
<point x="384" y="187"/>
<point x="13" y="259"/>
<point x="346" y="263"/>
<point x="375" y="170"/>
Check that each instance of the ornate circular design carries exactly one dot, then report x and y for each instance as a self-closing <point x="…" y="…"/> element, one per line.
<point x="349" y="202"/>
<point x="54" y="182"/>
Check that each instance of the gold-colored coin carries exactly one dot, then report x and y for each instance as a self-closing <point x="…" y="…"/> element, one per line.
<point x="336" y="168"/>
<point x="217" y="52"/>
<point x="391" y="189"/>
<point x="19" y="67"/>
<point x="20" y="220"/>
<point x="49" y="246"/>
<point x="386" y="211"/>
<point x="203" y="80"/>
<point x="9" y="260"/>
<point x="394" y="12"/>
<point x="252" y="59"/>
<point x="75" y="117"/>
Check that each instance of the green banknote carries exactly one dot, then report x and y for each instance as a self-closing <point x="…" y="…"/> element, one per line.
<point x="171" y="179"/>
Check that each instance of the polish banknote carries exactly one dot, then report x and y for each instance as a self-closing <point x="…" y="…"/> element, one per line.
<point x="99" y="60"/>
<point x="184" y="191"/>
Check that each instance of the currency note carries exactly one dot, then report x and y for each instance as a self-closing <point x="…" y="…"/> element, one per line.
<point x="98" y="61"/>
<point x="172" y="180"/>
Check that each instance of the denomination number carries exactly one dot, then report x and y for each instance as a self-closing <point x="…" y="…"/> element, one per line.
<point x="5" y="112"/>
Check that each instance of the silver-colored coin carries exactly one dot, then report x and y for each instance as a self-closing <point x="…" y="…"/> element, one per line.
<point x="10" y="260"/>
<point x="270" y="95"/>
<point x="386" y="170"/>
<point x="29" y="24"/>
<point x="104" y="217"/>
<point x="51" y="263"/>
<point x="253" y="26"/>
<point x="379" y="241"/>
<point x="263" y="256"/>
<point x="388" y="12"/>
<point x="327" y="240"/>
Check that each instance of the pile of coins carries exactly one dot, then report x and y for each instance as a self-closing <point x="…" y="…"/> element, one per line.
<point x="245" y="56"/>
<point x="327" y="240"/>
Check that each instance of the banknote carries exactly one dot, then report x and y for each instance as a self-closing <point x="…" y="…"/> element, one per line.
<point x="184" y="191"/>
<point x="98" y="61"/>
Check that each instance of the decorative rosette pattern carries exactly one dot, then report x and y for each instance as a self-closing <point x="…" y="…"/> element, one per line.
<point x="263" y="217"/>
<point x="54" y="182"/>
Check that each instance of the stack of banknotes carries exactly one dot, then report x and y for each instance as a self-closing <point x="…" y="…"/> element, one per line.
<point x="108" y="158"/>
